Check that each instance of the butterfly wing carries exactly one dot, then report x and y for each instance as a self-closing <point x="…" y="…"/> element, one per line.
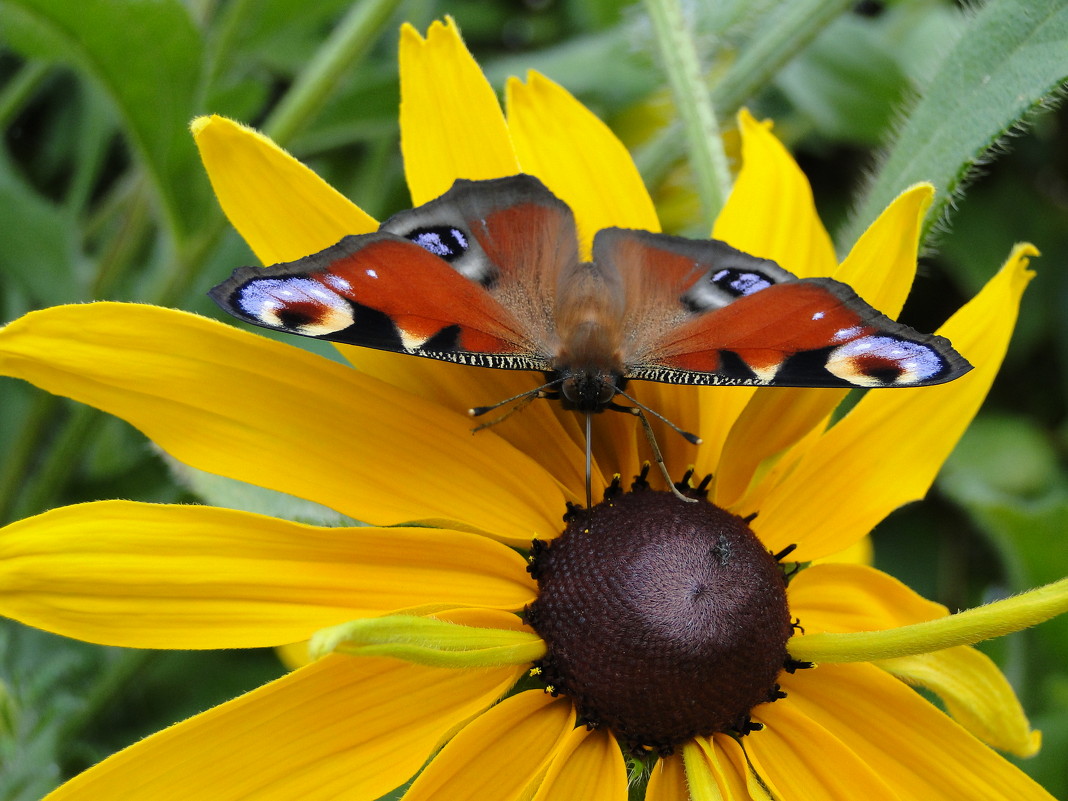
<point x="719" y="316"/>
<point x="462" y="278"/>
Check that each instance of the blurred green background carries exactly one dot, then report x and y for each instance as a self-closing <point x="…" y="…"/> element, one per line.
<point x="102" y="197"/>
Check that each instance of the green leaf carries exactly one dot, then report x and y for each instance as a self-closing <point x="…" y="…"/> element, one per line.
<point x="848" y="83"/>
<point x="40" y="252"/>
<point x="147" y="58"/>
<point x="1009" y="62"/>
<point x="1004" y="474"/>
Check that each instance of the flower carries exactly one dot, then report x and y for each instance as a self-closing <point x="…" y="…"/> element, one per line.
<point x="388" y="443"/>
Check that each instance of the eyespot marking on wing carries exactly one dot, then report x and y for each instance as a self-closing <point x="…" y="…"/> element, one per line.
<point x="740" y="282"/>
<point x="882" y="361"/>
<point x="444" y="241"/>
<point x="301" y="305"/>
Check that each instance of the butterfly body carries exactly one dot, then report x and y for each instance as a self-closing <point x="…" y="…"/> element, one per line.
<point x="489" y="274"/>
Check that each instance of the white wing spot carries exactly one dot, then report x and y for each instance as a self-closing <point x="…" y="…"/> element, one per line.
<point x="842" y="334"/>
<point x="337" y="282"/>
<point x="818" y="316"/>
<point x="371" y="273"/>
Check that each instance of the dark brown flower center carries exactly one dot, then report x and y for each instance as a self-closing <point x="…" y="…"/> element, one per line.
<point x="664" y="619"/>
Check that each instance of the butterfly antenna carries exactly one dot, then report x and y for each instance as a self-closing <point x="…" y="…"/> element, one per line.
<point x="524" y="398"/>
<point x="693" y="439"/>
<point x="589" y="459"/>
<point x="639" y="411"/>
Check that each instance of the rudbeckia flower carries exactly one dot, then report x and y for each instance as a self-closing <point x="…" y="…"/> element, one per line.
<point x="414" y="616"/>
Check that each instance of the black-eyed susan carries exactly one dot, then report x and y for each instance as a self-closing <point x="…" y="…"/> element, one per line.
<point x="414" y="617"/>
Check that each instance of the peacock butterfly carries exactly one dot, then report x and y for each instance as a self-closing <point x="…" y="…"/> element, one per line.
<point x="489" y="274"/>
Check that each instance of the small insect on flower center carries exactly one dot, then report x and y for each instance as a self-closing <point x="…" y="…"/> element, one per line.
<point x="664" y="619"/>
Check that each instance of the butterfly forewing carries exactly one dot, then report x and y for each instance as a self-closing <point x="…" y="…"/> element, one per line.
<point x="463" y="278"/>
<point x="805" y="333"/>
<point x="520" y="243"/>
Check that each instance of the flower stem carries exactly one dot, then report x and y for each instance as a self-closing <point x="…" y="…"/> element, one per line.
<point x="19" y="88"/>
<point x="693" y="105"/>
<point x="348" y="43"/>
<point x="19" y="458"/>
<point x="964" y="628"/>
<point x="43" y="489"/>
<point x="774" y="45"/>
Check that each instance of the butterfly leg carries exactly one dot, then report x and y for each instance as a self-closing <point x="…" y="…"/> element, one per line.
<point x="589" y="459"/>
<point x="657" y="455"/>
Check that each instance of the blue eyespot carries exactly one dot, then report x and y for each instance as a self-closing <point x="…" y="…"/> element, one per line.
<point x="442" y="240"/>
<point x="740" y="282"/>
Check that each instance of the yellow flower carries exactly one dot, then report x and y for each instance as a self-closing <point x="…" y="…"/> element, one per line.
<point x="389" y="443"/>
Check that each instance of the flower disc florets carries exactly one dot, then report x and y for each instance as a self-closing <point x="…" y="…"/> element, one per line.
<point x="664" y="619"/>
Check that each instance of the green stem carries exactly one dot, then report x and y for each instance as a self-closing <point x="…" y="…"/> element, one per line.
<point x="126" y="243"/>
<point x="964" y="628"/>
<point x="223" y="30"/>
<point x="347" y="45"/>
<point x="18" y="89"/>
<point x="111" y="684"/>
<point x="793" y="27"/>
<point x="758" y="61"/>
<point x="19" y="458"/>
<point x="693" y="105"/>
<point x="349" y="42"/>
<point x="43" y="489"/>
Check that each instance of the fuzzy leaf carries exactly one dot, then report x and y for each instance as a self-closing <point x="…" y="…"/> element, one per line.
<point x="147" y="57"/>
<point x="1009" y="62"/>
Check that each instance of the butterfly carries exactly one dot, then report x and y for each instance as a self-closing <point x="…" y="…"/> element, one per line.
<point x="489" y="274"/>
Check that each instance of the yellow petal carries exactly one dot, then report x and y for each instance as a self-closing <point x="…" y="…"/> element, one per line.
<point x="281" y="208"/>
<point x="153" y="576"/>
<point x="700" y="778"/>
<point x="975" y="693"/>
<point x="770" y="212"/>
<point x="247" y="407"/>
<point x="500" y="752"/>
<point x="888" y="449"/>
<point x="294" y="655"/>
<point x="773" y="419"/>
<point x="718" y="410"/>
<point x="578" y="157"/>
<point x="862" y="552"/>
<point x="551" y="437"/>
<point x="759" y="788"/>
<point x="882" y="265"/>
<point x="451" y="123"/>
<point x="667" y="780"/>
<point x="588" y="767"/>
<point x="841" y="597"/>
<point x="713" y="775"/>
<point x="914" y="748"/>
<point x="805" y="760"/>
<point x="341" y="727"/>
<point x="880" y="269"/>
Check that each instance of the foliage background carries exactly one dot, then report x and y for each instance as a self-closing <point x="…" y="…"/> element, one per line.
<point x="102" y="197"/>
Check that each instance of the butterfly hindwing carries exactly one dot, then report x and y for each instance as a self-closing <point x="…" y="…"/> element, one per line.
<point x="684" y="275"/>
